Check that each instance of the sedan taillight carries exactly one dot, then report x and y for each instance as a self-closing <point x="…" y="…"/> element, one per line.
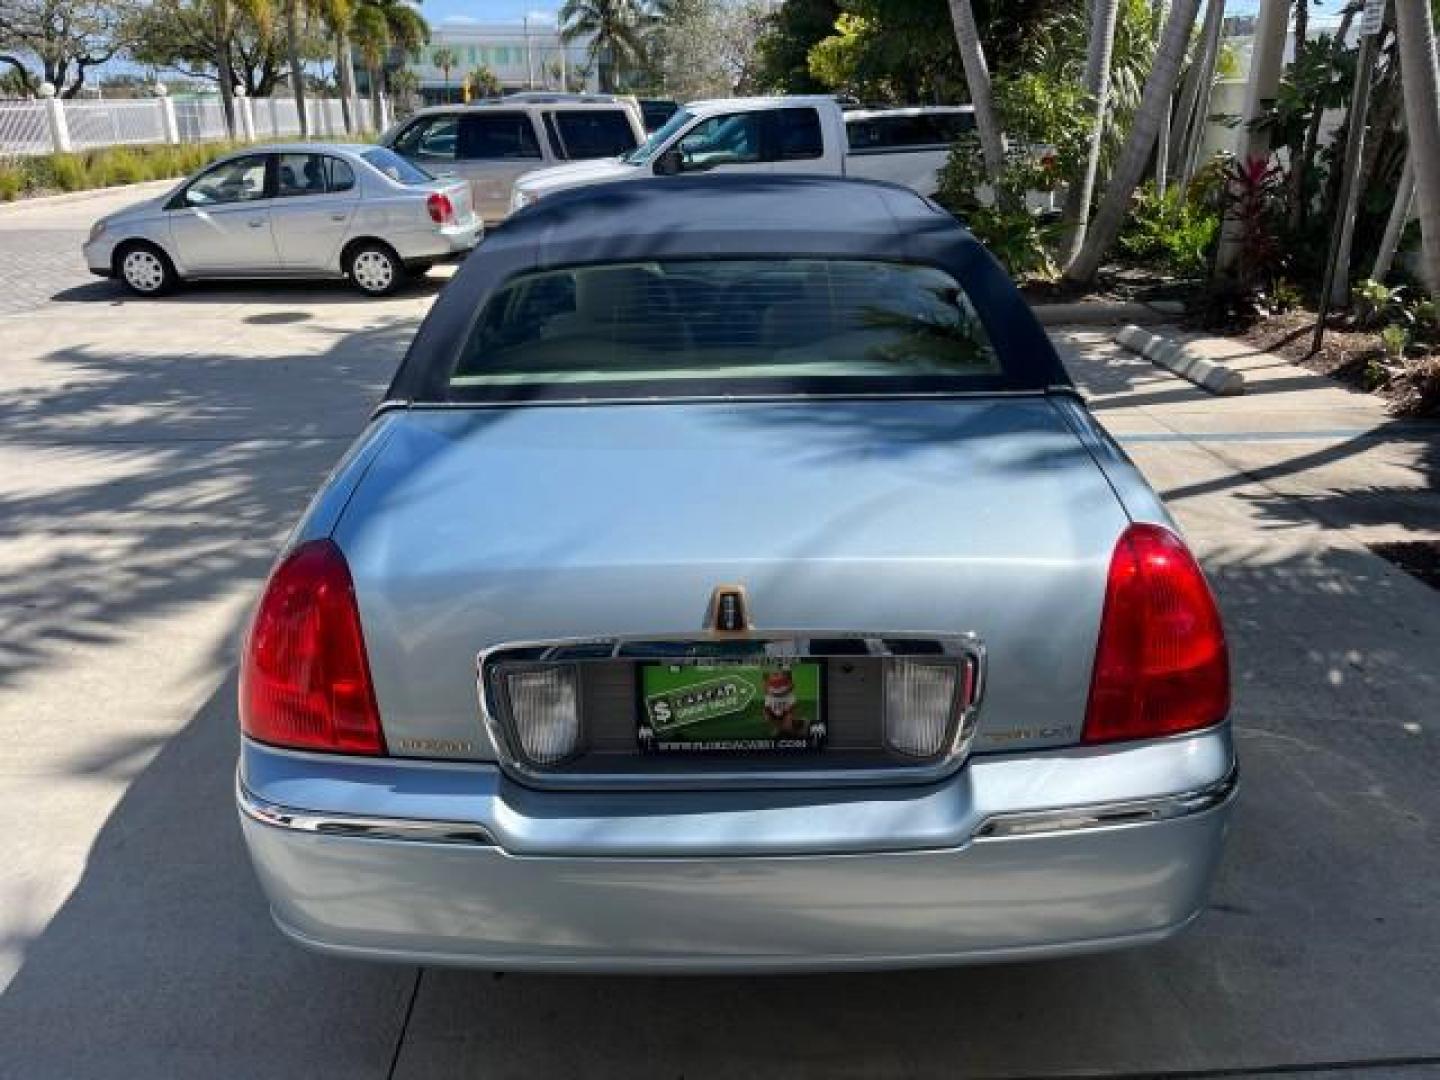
<point x="442" y="210"/>
<point x="1161" y="665"/>
<point x="304" y="678"/>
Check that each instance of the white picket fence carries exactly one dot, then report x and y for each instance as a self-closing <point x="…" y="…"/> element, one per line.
<point x="47" y="125"/>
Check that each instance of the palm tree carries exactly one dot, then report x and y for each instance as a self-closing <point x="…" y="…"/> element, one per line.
<point x="336" y="15"/>
<point x="297" y="70"/>
<point x="977" y="78"/>
<point x="1097" y="87"/>
<point x="616" y="28"/>
<point x="224" y="15"/>
<point x="445" y="59"/>
<point x="371" y="34"/>
<point x="1136" y="154"/>
<point x="1395" y="225"/>
<point x="1415" y="30"/>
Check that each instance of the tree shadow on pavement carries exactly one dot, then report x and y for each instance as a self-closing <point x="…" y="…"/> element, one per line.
<point x="162" y="479"/>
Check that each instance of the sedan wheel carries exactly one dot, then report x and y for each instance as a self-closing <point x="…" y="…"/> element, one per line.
<point x="375" y="271"/>
<point x="145" y="271"/>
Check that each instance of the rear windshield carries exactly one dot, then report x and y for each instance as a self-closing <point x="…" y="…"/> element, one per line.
<point x="593" y="133"/>
<point x="396" y="167"/>
<point x="732" y="323"/>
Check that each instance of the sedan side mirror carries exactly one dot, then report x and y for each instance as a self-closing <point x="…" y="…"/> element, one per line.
<point x="669" y="163"/>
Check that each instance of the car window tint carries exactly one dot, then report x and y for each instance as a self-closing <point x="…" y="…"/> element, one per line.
<point x="431" y="139"/>
<point x="300" y="174"/>
<point x="237" y="180"/>
<point x="667" y="322"/>
<point x="497" y="137"/>
<point x="395" y="167"/>
<point x="339" y="174"/>
<point x="797" y="134"/>
<point x="655" y="112"/>
<point x="898" y="132"/>
<point x="594" y="133"/>
<point x="722" y="140"/>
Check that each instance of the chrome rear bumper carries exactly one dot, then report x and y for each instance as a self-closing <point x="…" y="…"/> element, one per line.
<point x="502" y="879"/>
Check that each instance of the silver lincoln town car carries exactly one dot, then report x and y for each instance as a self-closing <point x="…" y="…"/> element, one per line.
<point x="732" y="579"/>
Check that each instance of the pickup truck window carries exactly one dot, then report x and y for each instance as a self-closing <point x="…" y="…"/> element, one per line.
<point x="797" y="135"/>
<point x="647" y="150"/>
<point x="728" y="139"/>
<point x="879" y="133"/>
<point x="590" y="133"/>
<point x="497" y="137"/>
<point x="673" y="324"/>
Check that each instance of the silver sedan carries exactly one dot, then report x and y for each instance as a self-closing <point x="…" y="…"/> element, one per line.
<point x="733" y="580"/>
<point x="298" y="210"/>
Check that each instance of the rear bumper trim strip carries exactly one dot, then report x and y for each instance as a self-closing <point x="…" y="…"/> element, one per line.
<point x="1105" y="815"/>
<point x="358" y="826"/>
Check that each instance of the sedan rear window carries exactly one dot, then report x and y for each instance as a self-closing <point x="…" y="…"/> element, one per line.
<point x="671" y="324"/>
<point x="396" y="167"/>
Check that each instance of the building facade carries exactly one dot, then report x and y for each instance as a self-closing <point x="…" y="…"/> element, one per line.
<point x="527" y="55"/>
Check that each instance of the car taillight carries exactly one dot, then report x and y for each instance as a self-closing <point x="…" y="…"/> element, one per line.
<point x="1161" y="666"/>
<point x="304" y="679"/>
<point x="440" y="207"/>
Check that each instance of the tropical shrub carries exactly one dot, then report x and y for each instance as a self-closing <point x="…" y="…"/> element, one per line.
<point x="1171" y="231"/>
<point x="1395" y="338"/>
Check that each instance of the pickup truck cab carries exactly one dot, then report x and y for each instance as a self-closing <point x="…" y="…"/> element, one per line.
<point x="776" y="135"/>
<point x="492" y="143"/>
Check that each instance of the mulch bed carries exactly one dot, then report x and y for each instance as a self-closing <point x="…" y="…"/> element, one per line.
<point x="1354" y="357"/>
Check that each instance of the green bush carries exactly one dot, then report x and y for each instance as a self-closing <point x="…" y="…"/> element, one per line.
<point x="1170" y="232"/>
<point x="86" y="169"/>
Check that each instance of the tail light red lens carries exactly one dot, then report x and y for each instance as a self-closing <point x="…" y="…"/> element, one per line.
<point x="304" y="679"/>
<point x="441" y="208"/>
<point x="1161" y="666"/>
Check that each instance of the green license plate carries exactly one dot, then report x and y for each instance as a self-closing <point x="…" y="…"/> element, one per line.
<point x="712" y="705"/>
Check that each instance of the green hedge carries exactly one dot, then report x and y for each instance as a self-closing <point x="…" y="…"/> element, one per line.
<point x="46" y="173"/>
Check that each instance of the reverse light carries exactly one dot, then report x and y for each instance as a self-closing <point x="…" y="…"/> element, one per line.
<point x="545" y="710"/>
<point x="442" y="210"/>
<point x="920" y="705"/>
<point x="1161" y="664"/>
<point x="304" y="678"/>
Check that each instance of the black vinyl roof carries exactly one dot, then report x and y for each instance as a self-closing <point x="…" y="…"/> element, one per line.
<point x="737" y="217"/>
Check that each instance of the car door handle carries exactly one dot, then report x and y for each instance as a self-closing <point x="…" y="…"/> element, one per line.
<point x="338" y="217"/>
<point x="257" y="223"/>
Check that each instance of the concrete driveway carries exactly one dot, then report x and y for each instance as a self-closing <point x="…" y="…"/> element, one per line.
<point x="152" y="455"/>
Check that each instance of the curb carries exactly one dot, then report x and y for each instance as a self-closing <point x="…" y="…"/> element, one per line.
<point x="1102" y="313"/>
<point x="141" y="188"/>
<point x="1179" y="357"/>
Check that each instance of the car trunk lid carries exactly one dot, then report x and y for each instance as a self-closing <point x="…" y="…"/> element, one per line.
<point x="477" y="527"/>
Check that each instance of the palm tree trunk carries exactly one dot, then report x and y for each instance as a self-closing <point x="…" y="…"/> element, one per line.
<point x="1136" y="153"/>
<point x="1162" y="142"/>
<point x="1416" y="31"/>
<point x="345" y="75"/>
<point x="297" y="73"/>
<point x="1190" y="88"/>
<point x="1399" y="214"/>
<point x="977" y="78"/>
<point x="222" y="67"/>
<point x="1097" y="86"/>
<point x="374" y="70"/>
<point x="1201" y="118"/>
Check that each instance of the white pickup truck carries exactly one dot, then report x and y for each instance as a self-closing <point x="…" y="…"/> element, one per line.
<point x="776" y="135"/>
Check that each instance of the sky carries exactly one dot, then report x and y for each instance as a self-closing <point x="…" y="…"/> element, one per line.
<point x="491" y="11"/>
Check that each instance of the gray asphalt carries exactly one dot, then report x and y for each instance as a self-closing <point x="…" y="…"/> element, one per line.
<point x="152" y="456"/>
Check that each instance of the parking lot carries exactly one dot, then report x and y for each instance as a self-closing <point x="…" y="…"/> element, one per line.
<point x="152" y="456"/>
